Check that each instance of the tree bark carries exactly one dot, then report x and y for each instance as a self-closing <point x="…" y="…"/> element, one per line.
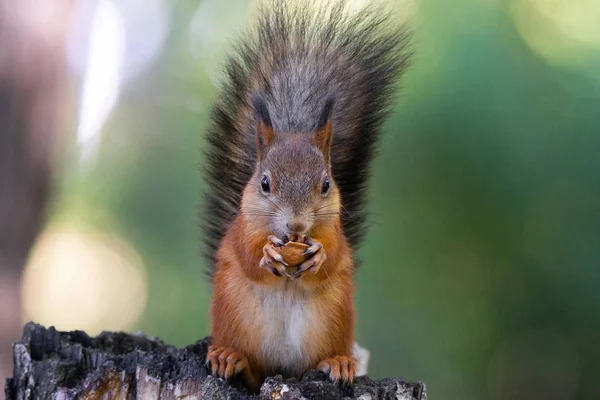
<point x="68" y="365"/>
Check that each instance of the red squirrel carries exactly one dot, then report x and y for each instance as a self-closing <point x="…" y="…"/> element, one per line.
<point x="292" y="137"/>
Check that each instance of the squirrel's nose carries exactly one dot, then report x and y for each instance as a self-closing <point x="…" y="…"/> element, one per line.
<point x="296" y="226"/>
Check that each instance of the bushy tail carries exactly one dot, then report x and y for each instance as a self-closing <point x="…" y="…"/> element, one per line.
<point x="296" y="57"/>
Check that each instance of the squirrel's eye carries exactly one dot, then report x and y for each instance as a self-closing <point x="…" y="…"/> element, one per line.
<point x="325" y="187"/>
<point x="264" y="184"/>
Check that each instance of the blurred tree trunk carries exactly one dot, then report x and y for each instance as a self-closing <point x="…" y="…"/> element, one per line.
<point x="32" y="87"/>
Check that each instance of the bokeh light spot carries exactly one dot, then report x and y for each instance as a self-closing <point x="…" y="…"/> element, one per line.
<point x="76" y="280"/>
<point x="563" y="32"/>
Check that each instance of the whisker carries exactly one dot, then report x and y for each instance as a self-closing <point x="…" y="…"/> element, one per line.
<point x="259" y="227"/>
<point x="350" y="215"/>
<point x="325" y="206"/>
<point x="264" y="212"/>
<point x="326" y="274"/>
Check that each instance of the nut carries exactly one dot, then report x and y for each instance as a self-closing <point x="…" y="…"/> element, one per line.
<point x="293" y="254"/>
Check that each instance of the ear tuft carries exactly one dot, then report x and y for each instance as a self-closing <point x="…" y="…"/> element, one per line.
<point x="324" y="134"/>
<point x="261" y="111"/>
<point x="326" y="113"/>
<point x="265" y="135"/>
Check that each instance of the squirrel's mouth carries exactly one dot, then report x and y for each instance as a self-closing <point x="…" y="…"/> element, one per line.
<point x="289" y="236"/>
<point x="296" y="233"/>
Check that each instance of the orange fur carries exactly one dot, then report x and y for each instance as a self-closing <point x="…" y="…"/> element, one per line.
<point x="238" y="314"/>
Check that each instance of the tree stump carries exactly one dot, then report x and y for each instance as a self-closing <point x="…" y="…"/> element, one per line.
<point x="68" y="365"/>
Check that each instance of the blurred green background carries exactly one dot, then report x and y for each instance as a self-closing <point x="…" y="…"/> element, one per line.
<point x="481" y="268"/>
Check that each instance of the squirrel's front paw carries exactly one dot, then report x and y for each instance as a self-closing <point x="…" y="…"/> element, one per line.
<point x="272" y="260"/>
<point x="317" y="257"/>
<point x="339" y="368"/>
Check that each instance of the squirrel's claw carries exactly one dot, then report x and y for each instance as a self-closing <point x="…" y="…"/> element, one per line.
<point x="273" y="261"/>
<point x="276" y="241"/>
<point x="270" y="252"/>
<point x="264" y="263"/>
<point x="313" y="246"/>
<point x="226" y="363"/>
<point x="314" y="263"/>
<point x="339" y="368"/>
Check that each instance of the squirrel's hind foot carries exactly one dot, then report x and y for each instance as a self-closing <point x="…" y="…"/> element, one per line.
<point x="339" y="368"/>
<point x="226" y="363"/>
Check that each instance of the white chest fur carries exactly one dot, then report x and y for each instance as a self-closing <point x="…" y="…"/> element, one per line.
<point x="287" y="318"/>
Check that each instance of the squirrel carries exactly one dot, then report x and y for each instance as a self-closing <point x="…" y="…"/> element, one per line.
<point x="292" y="136"/>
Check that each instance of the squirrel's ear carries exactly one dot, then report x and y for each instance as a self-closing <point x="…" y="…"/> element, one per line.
<point x="265" y="135"/>
<point x="324" y="133"/>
